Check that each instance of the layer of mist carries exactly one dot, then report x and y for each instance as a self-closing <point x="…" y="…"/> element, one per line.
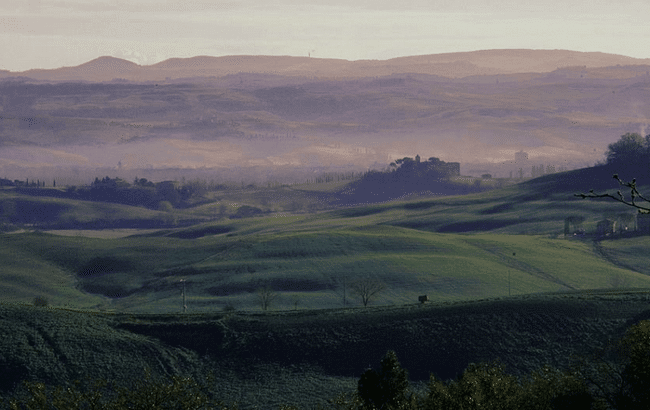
<point x="283" y="119"/>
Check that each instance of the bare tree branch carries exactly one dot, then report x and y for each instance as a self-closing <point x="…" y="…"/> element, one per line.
<point x="634" y="195"/>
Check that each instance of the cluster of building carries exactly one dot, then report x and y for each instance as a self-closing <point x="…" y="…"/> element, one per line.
<point x="620" y="224"/>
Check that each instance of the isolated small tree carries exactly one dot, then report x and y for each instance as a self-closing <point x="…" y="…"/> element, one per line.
<point x="366" y="288"/>
<point x="266" y="296"/>
<point x="222" y="210"/>
<point x="341" y="285"/>
<point x="295" y="301"/>
<point x="229" y="307"/>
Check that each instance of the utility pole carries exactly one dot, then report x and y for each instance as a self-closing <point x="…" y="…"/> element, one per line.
<point x="184" y="305"/>
<point x="513" y="254"/>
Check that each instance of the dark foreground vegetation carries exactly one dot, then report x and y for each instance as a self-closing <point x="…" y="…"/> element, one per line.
<point x="577" y="350"/>
<point x="618" y="380"/>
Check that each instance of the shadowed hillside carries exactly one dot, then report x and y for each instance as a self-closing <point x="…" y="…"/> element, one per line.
<point x="280" y="353"/>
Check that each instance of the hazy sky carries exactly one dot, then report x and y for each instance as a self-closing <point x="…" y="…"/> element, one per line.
<point x="55" y="33"/>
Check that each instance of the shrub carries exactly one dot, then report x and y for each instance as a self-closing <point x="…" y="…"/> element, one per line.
<point x="246" y="211"/>
<point x="635" y="351"/>
<point x="165" y="206"/>
<point x="486" y="386"/>
<point x="549" y="388"/>
<point x="40" y="301"/>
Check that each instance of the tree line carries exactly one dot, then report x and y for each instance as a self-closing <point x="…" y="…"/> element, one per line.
<point x="26" y="183"/>
<point x="630" y="149"/>
<point x="141" y="192"/>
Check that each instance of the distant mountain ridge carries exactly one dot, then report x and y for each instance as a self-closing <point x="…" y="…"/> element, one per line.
<point x="450" y="65"/>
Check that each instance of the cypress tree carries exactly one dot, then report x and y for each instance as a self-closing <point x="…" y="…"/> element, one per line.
<point x="386" y="388"/>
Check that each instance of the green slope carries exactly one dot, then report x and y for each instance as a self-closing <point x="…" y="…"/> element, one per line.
<point x="309" y="268"/>
<point x="451" y="248"/>
<point x="46" y="212"/>
<point x="25" y="274"/>
<point x="537" y="206"/>
<point x="59" y="346"/>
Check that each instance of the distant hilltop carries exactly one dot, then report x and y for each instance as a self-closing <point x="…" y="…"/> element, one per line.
<point x="448" y="65"/>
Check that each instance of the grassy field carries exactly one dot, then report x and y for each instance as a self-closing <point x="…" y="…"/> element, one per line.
<point x="308" y="261"/>
<point x="491" y="244"/>
<point x="629" y="252"/>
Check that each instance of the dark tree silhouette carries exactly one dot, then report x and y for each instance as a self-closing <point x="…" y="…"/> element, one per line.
<point x="631" y="148"/>
<point x="386" y="388"/>
<point x="635" y="349"/>
<point x="367" y="288"/>
<point x="266" y="296"/>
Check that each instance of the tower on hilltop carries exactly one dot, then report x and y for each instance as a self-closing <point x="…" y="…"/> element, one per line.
<point x="521" y="156"/>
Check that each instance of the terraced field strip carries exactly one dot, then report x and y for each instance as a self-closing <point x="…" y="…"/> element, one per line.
<point x="511" y="261"/>
<point x="609" y="257"/>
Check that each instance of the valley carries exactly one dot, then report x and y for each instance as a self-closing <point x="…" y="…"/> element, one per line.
<point x="273" y="233"/>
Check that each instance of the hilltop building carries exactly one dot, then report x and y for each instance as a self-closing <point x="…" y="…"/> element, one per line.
<point x="433" y="167"/>
<point x="449" y="169"/>
<point x="521" y="156"/>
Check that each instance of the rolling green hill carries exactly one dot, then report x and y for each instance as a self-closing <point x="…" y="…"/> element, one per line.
<point x="308" y="260"/>
<point x="47" y="212"/>
<point x="115" y="300"/>
<point x="451" y="248"/>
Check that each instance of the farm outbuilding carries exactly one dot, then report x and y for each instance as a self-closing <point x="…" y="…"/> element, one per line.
<point x="606" y="227"/>
<point x="643" y="222"/>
